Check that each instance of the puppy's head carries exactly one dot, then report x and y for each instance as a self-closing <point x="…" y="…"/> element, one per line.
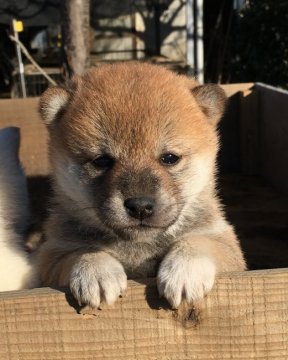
<point x="132" y="146"/>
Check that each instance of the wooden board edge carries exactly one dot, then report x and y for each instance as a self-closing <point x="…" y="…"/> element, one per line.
<point x="223" y="277"/>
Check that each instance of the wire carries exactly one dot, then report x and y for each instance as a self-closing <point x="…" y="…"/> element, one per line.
<point x="30" y="58"/>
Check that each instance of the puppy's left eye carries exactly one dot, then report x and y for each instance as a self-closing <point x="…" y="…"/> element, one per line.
<point x="103" y="162"/>
<point x="169" y="159"/>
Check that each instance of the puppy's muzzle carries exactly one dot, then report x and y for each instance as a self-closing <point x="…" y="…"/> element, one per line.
<point x="140" y="207"/>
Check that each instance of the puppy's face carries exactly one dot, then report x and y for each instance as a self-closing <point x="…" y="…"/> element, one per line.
<point x="132" y="146"/>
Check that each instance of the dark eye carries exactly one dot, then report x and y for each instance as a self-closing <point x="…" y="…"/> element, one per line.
<point x="103" y="162"/>
<point x="169" y="159"/>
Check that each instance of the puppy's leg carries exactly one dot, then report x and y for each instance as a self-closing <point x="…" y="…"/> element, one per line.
<point x="188" y="271"/>
<point x="92" y="277"/>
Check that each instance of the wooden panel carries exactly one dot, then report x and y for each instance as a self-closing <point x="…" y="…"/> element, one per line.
<point x="250" y="132"/>
<point x="231" y="156"/>
<point x="274" y="135"/>
<point x="244" y="317"/>
<point x="232" y="89"/>
<point x="23" y="113"/>
<point x="259" y="214"/>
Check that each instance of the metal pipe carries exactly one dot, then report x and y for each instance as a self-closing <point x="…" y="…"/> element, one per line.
<point x="195" y="44"/>
<point x="20" y="62"/>
<point x="190" y="51"/>
<point x="199" y="32"/>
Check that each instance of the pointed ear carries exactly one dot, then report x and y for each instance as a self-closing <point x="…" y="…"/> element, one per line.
<point x="212" y="100"/>
<point x="52" y="102"/>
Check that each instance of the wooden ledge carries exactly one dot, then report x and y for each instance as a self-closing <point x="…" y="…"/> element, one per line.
<point x="244" y="317"/>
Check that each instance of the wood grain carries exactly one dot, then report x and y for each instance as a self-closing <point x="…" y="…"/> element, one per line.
<point x="244" y="317"/>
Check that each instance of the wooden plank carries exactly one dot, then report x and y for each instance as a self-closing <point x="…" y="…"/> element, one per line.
<point x="233" y="155"/>
<point x="229" y="157"/>
<point x="259" y="214"/>
<point x="232" y="89"/>
<point x="241" y="133"/>
<point x="244" y="317"/>
<point x="274" y="135"/>
<point x="23" y="113"/>
<point x="250" y="132"/>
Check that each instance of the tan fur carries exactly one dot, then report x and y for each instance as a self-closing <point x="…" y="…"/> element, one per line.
<point x="135" y="113"/>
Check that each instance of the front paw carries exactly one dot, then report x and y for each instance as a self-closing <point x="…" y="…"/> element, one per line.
<point x="96" y="278"/>
<point x="183" y="277"/>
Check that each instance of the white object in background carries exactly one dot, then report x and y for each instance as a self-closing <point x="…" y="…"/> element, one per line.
<point x="15" y="269"/>
<point x="199" y="41"/>
<point x="18" y="27"/>
<point x="195" y="41"/>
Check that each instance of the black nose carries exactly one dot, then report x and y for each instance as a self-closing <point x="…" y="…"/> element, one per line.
<point x="139" y="207"/>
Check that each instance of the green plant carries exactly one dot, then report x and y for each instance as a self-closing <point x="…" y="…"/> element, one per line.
<point x="259" y="46"/>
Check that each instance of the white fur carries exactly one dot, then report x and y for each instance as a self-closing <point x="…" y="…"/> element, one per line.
<point x="181" y="277"/>
<point x="201" y="170"/>
<point x="15" y="269"/>
<point x="200" y="173"/>
<point x="56" y="103"/>
<point x="218" y="227"/>
<point x="97" y="277"/>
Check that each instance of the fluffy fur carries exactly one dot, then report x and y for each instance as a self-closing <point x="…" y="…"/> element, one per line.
<point x="15" y="269"/>
<point x="134" y="114"/>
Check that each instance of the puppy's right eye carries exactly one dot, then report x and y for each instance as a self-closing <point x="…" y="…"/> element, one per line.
<point x="103" y="162"/>
<point x="169" y="159"/>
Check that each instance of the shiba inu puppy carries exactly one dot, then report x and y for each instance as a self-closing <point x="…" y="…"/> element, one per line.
<point x="133" y="149"/>
<point x="15" y="267"/>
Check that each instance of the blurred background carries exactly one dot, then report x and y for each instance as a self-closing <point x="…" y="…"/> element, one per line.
<point x="222" y="41"/>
